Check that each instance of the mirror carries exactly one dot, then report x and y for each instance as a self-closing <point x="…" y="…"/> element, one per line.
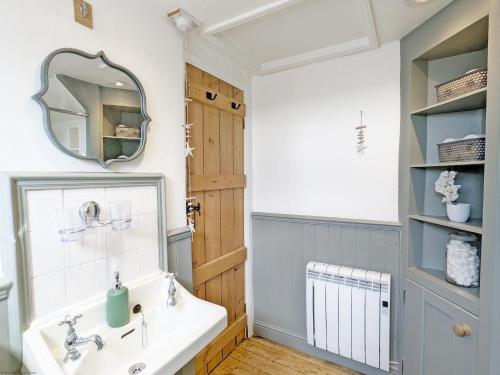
<point x="93" y="108"/>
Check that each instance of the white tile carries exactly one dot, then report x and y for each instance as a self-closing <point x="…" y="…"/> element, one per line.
<point x="49" y="293"/>
<point x="120" y="241"/>
<point x="47" y="252"/>
<point x="91" y="248"/>
<point x="148" y="229"/>
<point x="124" y="194"/>
<point x="128" y="264"/>
<point x="86" y="280"/>
<point x="42" y="208"/>
<point x="74" y="198"/>
<point x="81" y="283"/>
<point x="150" y="259"/>
<point x="101" y="276"/>
<point x="148" y="199"/>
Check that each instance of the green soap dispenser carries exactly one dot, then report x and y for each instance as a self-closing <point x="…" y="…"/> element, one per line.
<point x="117" y="310"/>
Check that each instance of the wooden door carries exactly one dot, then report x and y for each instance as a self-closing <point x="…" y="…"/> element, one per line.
<point x="216" y="111"/>
<point x="431" y="347"/>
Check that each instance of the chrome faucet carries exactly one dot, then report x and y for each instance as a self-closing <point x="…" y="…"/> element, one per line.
<point x="72" y="340"/>
<point x="171" y="302"/>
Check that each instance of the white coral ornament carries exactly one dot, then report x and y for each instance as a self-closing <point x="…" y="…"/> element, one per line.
<point x="445" y="185"/>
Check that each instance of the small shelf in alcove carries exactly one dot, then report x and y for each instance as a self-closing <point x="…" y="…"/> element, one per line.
<point x="435" y="280"/>
<point x="473" y="163"/>
<point x="467" y="102"/>
<point x="473" y="225"/>
<point x="133" y="139"/>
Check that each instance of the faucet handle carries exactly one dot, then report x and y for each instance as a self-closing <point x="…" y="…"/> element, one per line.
<point x="171" y="275"/>
<point x="70" y="321"/>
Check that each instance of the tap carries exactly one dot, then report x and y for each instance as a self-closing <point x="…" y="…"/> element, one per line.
<point x="171" y="302"/>
<point x="72" y="340"/>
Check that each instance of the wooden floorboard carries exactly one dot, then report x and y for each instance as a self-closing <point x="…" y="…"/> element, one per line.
<point x="262" y="357"/>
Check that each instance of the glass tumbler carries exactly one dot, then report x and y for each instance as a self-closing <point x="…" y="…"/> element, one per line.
<point x="71" y="226"/>
<point x="120" y="214"/>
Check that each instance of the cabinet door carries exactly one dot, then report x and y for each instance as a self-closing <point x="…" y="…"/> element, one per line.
<point x="431" y="346"/>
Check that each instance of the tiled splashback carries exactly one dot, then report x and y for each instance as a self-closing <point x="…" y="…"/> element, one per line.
<point x="64" y="273"/>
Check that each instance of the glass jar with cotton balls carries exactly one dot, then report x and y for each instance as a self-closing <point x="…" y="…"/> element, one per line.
<point x="463" y="260"/>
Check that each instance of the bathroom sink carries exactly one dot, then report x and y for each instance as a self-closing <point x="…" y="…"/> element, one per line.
<point x="174" y="334"/>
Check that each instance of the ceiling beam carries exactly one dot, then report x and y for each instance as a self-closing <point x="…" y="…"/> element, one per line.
<point x="309" y="57"/>
<point x="370" y="19"/>
<point x="249" y="16"/>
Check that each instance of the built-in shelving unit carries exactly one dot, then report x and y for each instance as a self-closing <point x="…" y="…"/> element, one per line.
<point x="432" y="122"/>
<point x="113" y="146"/>
<point x="473" y="225"/>
<point x="467" y="102"/>
<point x="132" y="139"/>
<point x="456" y="164"/>
<point x="435" y="280"/>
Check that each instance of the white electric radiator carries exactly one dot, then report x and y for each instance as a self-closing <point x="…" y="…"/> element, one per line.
<point x="348" y="312"/>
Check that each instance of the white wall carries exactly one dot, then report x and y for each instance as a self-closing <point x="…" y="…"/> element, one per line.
<point x="303" y="120"/>
<point x="132" y="33"/>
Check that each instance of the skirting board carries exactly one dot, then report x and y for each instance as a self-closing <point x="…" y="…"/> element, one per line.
<point x="300" y="343"/>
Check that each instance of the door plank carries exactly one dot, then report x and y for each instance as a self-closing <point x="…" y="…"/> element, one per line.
<point x="211" y="150"/>
<point x="239" y="281"/>
<point x="229" y="294"/>
<point x="219" y="265"/>
<point x="212" y="97"/>
<point x="217" y="182"/>
<point x="210" y="81"/>
<point x="220" y="341"/>
<point x="198" y="245"/>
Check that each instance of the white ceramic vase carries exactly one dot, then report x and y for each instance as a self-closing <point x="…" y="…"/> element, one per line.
<point x="458" y="212"/>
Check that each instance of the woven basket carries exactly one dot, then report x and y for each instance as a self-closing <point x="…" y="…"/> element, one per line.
<point x="473" y="80"/>
<point x="463" y="150"/>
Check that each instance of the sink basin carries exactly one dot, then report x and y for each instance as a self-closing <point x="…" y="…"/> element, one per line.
<point x="174" y="334"/>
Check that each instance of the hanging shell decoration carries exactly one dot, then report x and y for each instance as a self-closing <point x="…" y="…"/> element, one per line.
<point x="360" y="130"/>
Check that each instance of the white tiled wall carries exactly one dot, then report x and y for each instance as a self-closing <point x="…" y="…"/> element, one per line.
<point x="65" y="273"/>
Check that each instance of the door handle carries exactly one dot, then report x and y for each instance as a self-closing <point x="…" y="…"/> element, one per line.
<point x="462" y="330"/>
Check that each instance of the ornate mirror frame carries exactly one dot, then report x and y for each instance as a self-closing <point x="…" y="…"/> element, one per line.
<point x="38" y="97"/>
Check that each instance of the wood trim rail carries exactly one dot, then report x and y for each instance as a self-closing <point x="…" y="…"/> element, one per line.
<point x="203" y="183"/>
<point x="217" y="266"/>
<point x="214" y="98"/>
<point x="220" y="341"/>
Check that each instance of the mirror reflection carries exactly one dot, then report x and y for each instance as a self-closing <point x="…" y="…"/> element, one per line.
<point x="94" y="109"/>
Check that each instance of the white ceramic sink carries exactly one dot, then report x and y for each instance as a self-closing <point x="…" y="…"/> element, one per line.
<point x="175" y="334"/>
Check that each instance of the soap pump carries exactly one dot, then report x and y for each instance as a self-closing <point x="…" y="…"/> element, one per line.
<point x="117" y="309"/>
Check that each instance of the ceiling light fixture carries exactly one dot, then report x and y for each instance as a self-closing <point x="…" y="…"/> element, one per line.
<point x="119" y="83"/>
<point x="183" y="20"/>
<point x="417" y="3"/>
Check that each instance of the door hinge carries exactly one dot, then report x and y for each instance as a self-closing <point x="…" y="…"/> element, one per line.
<point x="402" y="366"/>
<point x="245" y="307"/>
<point x="243" y="123"/>
<point x="404" y="297"/>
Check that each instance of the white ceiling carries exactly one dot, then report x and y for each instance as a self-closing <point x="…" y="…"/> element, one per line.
<point x="272" y="35"/>
<point x="90" y="70"/>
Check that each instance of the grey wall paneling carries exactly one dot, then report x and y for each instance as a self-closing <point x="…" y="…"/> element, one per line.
<point x="180" y="261"/>
<point x="180" y="256"/>
<point x="8" y="362"/>
<point x="284" y="244"/>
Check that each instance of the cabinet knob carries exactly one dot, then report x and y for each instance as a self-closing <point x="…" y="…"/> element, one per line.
<point x="462" y="330"/>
